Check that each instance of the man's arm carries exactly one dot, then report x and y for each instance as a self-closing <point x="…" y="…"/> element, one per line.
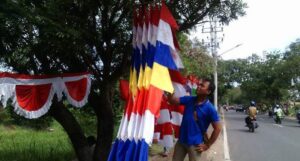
<point x="216" y="132"/>
<point x="173" y="100"/>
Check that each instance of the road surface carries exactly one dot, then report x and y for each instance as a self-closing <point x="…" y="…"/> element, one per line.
<point x="270" y="142"/>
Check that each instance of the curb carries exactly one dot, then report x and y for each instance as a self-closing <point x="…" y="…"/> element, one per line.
<point x="226" y="148"/>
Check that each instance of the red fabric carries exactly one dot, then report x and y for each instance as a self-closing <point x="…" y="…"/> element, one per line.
<point x="164" y="129"/>
<point x="177" y="77"/>
<point x="193" y="79"/>
<point x="140" y="17"/>
<point x="176" y="44"/>
<point x="179" y="109"/>
<point x="77" y="89"/>
<point x="135" y="18"/>
<point x="25" y="76"/>
<point x="176" y="130"/>
<point x="124" y="89"/>
<point x="147" y="16"/>
<point x="155" y="15"/>
<point x="32" y="97"/>
<point x="154" y="100"/>
<point x="164" y="103"/>
<point x="129" y="106"/>
<point x="167" y="16"/>
<point x="140" y="101"/>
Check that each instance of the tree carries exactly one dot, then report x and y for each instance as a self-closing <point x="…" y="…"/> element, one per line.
<point x="261" y="79"/>
<point x="195" y="57"/>
<point x="55" y="36"/>
<point x="291" y="67"/>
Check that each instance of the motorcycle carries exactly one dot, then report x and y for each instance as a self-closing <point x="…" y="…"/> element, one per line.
<point x="251" y="124"/>
<point x="278" y="118"/>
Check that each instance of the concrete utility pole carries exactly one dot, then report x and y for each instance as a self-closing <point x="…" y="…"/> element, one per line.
<point x="213" y="30"/>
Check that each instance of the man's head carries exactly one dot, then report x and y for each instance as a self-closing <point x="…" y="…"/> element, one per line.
<point x="205" y="87"/>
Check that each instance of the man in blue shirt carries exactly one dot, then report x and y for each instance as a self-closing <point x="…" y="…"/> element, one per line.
<point x="199" y="113"/>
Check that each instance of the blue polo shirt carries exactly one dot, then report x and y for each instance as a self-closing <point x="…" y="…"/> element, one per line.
<point x="190" y="130"/>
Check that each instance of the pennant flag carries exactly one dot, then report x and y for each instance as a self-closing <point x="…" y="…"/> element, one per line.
<point x="163" y="57"/>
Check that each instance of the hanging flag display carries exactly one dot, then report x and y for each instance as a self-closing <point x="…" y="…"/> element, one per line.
<point x="168" y="124"/>
<point x="155" y="53"/>
<point x="32" y="95"/>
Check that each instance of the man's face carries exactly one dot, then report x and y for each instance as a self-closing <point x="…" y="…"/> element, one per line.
<point x="203" y="88"/>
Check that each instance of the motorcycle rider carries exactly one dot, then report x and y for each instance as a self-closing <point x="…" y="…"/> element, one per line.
<point x="278" y="114"/>
<point x="252" y="111"/>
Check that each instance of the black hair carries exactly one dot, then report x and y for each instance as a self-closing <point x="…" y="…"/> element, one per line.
<point x="211" y="86"/>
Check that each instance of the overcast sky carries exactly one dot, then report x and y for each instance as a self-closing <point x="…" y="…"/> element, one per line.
<point x="269" y="25"/>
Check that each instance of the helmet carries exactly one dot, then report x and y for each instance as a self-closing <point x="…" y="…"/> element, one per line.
<point x="252" y="103"/>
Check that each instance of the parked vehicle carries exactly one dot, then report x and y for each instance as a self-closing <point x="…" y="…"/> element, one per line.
<point x="239" y="109"/>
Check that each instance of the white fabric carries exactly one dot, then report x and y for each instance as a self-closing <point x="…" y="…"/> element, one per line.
<point x="179" y="90"/>
<point x="154" y="35"/>
<point x="145" y="36"/>
<point x="87" y="92"/>
<point x="122" y="133"/>
<point x="139" y="38"/>
<point x="167" y="141"/>
<point x="131" y="126"/>
<point x="6" y="92"/>
<point x="176" y="118"/>
<point x="148" y="127"/>
<point x="34" y="114"/>
<point x="164" y="116"/>
<point x="58" y="87"/>
<point x="165" y="35"/>
<point x="177" y="59"/>
<point x="134" y="34"/>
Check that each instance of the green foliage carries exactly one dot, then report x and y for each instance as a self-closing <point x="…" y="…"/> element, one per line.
<point x="232" y="95"/>
<point x="87" y="120"/>
<point x="264" y="79"/>
<point x="195" y="57"/>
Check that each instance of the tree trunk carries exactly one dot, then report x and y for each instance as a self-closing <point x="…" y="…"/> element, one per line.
<point x="73" y="129"/>
<point x="102" y="105"/>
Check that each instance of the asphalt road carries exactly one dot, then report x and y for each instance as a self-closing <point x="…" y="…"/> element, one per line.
<point x="270" y="142"/>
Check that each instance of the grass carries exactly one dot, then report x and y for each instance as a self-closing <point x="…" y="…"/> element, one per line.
<point x="23" y="144"/>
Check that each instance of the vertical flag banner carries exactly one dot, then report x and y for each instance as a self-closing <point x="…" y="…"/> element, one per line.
<point x="154" y="58"/>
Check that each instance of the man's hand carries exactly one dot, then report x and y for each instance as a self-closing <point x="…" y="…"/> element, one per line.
<point x="172" y="100"/>
<point x="202" y="147"/>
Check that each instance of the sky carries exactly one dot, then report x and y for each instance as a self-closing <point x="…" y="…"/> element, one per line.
<point x="267" y="26"/>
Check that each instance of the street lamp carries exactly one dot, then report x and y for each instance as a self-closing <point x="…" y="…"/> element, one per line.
<point x="215" y="56"/>
<point x="236" y="46"/>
